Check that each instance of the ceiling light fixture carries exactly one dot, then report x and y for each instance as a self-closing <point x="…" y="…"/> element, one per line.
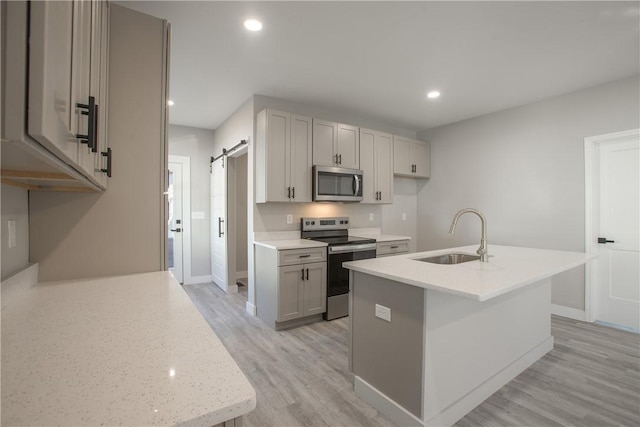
<point x="170" y="103"/>
<point x="253" y="25"/>
<point x="433" y="94"/>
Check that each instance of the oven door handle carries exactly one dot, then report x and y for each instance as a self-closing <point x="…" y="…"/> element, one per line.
<point x="352" y="248"/>
<point x="356" y="186"/>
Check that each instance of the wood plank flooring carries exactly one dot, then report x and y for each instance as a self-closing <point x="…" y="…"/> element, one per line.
<point x="590" y="378"/>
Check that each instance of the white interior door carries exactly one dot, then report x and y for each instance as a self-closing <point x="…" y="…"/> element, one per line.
<point x="219" y="265"/>
<point x="617" y="269"/>
<point x="175" y="222"/>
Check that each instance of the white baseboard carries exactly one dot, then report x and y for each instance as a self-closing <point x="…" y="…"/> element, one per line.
<point x="571" y="313"/>
<point x="384" y="404"/>
<point x="251" y="309"/>
<point x="197" y="279"/>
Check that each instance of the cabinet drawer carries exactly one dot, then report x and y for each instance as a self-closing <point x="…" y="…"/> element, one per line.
<point x="392" y="248"/>
<point x="299" y="256"/>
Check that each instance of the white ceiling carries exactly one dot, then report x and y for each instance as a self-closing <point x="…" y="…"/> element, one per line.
<point x="378" y="59"/>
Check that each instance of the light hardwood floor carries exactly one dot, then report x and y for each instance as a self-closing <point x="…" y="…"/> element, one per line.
<point x="590" y="378"/>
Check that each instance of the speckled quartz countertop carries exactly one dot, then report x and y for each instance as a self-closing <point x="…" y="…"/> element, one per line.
<point x="509" y="268"/>
<point x="375" y="233"/>
<point x="128" y="350"/>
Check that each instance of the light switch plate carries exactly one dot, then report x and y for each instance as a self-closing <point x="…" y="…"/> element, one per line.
<point x="371" y="216"/>
<point x="289" y="219"/>
<point x="404" y="216"/>
<point x="383" y="312"/>
<point x="11" y="225"/>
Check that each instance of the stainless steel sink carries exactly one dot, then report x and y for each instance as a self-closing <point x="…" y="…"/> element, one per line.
<point x="454" y="258"/>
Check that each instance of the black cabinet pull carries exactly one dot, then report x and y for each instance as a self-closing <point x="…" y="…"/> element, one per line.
<point x="340" y="157"/>
<point x="335" y="159"/>
<point x="90" y="137"/>
<point x="302" y="271"/>
<point x="94" y="142"/>
<point x="393" y="247"/>
<point x="305" y="256"/>
<point x="288" y="192"/>
<point x="107" y="154"/>
<point x="220" y="221"/>
<point x="604" y="240"/>
<point x="307" y="274"/>
<point x="293" y="192"/>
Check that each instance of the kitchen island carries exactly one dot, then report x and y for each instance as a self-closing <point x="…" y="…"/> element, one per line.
<point x="429" y="342"/>
<point x="127" y="350"/>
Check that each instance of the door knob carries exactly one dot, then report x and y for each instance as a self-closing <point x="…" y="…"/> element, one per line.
<point x="177" y="230"/>
<point x="604" y="240"/>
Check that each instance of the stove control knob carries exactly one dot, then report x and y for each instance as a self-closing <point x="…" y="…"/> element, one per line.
<point x="346" y="221"/>
<point x="341" y="222"/>
<point x="306" y="223"/>
<point x="313" y="223"/>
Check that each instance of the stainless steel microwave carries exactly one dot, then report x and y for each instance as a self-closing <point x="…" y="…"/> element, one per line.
<point x="331" y="184"/>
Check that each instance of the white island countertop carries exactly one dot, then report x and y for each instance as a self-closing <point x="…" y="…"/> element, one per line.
<point x="290" y="244"/>
<point x="509" y="268"/>
<point x="128" y="350"/>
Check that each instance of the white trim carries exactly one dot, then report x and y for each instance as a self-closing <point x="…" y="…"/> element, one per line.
<point x="251" y="309"/>
<point x="185" y="161"/>
<point x="590" y="192"/>
<point x="571" y="313"/>
<point x="197" y="279"/>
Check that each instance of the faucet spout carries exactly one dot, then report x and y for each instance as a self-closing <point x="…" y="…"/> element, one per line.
<point x="482" y="250"/>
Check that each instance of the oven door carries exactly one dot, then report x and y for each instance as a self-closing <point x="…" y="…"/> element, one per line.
<point x="338" y="276"/>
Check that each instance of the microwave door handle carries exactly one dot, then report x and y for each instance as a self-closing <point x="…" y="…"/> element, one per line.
<point x="356" y="181"/>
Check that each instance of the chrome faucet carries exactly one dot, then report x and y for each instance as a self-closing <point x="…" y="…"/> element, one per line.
<point x="482" y="250"/>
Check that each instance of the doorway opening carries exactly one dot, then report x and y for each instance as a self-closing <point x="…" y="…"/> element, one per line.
<point x="178" y="224"/>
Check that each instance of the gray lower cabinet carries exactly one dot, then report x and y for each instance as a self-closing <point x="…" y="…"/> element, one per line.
<point x="395" y="247"/>
<point x="291" y="285"/>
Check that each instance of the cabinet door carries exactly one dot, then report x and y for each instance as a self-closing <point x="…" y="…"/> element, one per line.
<point x="51" y="116"/>
<point x="315" y="288"/>
<point x="103" y="92"/>
<point x="384" y="166"/>
<point x="83" y="70"/>
<point x="301" y="158"/>
<point x="348" y="146"/>
<point x="402" y="160"/>
<point x="421" y="158"/>
<point x="277" y="156"/>
<point x="290" y="292"/>
<point x="324" y="141"/>
<point x="367" y="165"/>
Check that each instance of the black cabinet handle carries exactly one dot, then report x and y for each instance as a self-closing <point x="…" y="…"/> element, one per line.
<point x="302" y="271"/>
<point x="93" y="143"/>
<point x="293" y="192"/>
<point x="393" y="247"/>
<point x="307" y="274"/>
<point x="340" y="157"/>
<point x="220" y="221"/>
<point x="305" y="256"/>
<point x="107" y="154"/>
<point x="604" y="240"/>
<point x="90" y="137"/>
<point x="288" y="192"/>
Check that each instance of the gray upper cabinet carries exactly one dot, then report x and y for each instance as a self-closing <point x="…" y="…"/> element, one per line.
<point x="376" y="162"/>
<point x="411" y="157"/>
<point x="336" y="144"/>
<point x="52" y="144"/>
<point x="283" y="157"/>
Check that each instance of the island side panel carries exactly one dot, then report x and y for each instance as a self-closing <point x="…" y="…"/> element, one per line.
<point x="473" y="348"/>
<point x="388" y="355"/>
<point x="267" y="285"/>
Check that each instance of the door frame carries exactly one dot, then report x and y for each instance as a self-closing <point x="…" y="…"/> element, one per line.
<point x="592" y="206"/>
<point x="185" y="161"/>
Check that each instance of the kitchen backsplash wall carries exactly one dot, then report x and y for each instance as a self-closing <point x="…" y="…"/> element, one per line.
<point x="15" y="207"/>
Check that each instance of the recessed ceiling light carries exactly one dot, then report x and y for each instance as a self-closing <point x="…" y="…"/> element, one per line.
<point x="433" y="94"/>
<point x="253" y="25"/>
<point x="170" y="103"/>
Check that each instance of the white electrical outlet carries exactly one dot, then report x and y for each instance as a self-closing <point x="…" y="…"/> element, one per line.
<point x="289" y="219"/>
<point x="404" y="216"/>
<point x="371" y="217"/>
<point x="11" y="225"/>
<point x="383" y="312"/>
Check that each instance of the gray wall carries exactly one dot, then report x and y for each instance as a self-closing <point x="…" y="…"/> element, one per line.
<point x="241" y="213"/>
<point x="524" y="168"/>
<point x="14" y="206"/>
<point x="197" y="144"/>
<point x="119" y="231"/>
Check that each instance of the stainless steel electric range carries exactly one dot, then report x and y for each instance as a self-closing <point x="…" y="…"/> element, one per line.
<point x="342" y="248"/>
